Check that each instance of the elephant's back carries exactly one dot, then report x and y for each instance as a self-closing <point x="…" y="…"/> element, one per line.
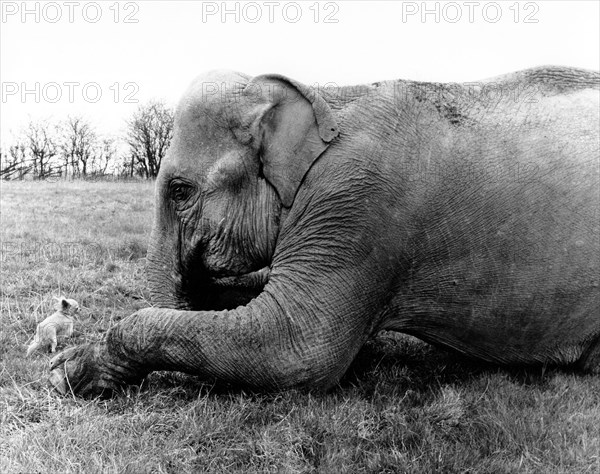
<point x="551" y="79"/>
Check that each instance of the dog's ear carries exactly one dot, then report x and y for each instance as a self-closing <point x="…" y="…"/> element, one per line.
<point x="64" y="304"/>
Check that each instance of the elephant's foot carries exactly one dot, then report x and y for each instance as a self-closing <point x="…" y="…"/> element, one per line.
<point x="89" y="370"/>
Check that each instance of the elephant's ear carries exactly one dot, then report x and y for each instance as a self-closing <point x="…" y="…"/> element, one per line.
<point x="294" y="127"/>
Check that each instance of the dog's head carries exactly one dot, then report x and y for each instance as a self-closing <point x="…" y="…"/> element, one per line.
<point x="67" y="306"/>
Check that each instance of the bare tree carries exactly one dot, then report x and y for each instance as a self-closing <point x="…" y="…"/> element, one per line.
<point x="15" y="164"/>
<point x="78" y="146"/>
<point x="9" y="164"/>
<point x="42" y="148"/>
<point x="149" y="133"/>
<point x="106" y="152"/>
<point x="71" y="149"/>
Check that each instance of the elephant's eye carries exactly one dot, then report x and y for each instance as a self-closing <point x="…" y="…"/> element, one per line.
<point x="180" y="191"/>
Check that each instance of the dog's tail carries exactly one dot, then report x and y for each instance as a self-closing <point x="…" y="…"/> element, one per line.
<point x="32" y="348"/>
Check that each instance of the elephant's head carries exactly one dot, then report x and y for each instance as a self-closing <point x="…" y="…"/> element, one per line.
<point x="240" y="150"/>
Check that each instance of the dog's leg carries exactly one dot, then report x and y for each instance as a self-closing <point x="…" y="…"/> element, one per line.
<point x="52" y="337"/>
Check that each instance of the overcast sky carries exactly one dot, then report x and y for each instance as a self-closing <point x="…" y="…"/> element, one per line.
<point x="98" y="58"/>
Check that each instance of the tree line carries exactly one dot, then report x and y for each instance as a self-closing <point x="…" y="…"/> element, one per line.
<point x="72" y="148"/>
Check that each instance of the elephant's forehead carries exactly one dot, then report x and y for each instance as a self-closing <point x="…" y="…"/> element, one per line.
<point x="209" y="109"/>
<point x="199" y="141"/>
<point x="213" y="94"/>
<point x="200" y="167"/>
<point x="206" y="116"/>
<point x="195" y="148"/>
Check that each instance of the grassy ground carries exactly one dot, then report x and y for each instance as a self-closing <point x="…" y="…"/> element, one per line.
<point x="403" y="407"/>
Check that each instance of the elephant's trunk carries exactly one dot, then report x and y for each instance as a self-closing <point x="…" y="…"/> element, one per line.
<point x="164" y="281"/>
<point x="174" y="281"/>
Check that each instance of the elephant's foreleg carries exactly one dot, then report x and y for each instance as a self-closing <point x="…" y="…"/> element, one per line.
<point x="273" y="343"/>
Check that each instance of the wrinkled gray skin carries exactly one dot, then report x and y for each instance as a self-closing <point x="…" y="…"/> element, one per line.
<point x="464" y="215"/>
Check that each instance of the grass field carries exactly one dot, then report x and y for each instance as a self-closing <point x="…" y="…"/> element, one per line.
<point x="403" y="407"/>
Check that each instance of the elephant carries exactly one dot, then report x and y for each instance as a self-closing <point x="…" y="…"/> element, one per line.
<point x="293" y="223"/>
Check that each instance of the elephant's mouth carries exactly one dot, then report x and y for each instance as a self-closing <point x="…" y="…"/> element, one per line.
<point x="249" y="281"/>
<point x="228" y="292"/>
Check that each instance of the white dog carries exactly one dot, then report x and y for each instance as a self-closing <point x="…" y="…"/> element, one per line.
<point x="58" y="324"/>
